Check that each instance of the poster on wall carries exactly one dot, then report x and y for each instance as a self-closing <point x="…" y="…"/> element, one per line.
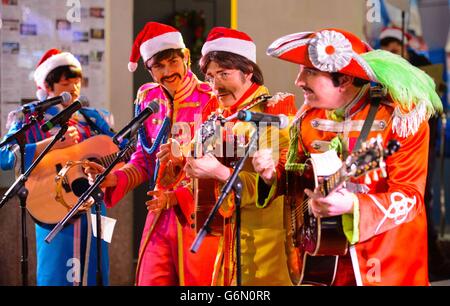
<point x="29" y="28"/>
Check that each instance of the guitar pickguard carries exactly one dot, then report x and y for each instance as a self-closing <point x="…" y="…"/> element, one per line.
<point x="65" y="184"/>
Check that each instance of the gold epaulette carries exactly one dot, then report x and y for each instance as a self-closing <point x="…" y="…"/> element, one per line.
<point x="281" y="103"/>
<point x="143" y="90"/>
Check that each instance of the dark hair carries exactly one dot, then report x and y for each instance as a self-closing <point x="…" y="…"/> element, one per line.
<point x="388" y="40"/>
<point x="336" y="79"/>
<point x="165" y="54"/>
<point x="68" y="71"/>
<point x="230" y="60"/>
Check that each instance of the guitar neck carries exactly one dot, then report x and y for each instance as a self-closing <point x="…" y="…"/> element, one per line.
<point x="330" y="183"/>
<point x="107" y="160"/>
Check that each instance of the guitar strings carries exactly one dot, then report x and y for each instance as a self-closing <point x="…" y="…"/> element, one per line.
<point x="301" y="209"/>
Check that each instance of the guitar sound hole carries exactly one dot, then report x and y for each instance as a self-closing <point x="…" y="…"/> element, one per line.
<point x="79" y="186"/>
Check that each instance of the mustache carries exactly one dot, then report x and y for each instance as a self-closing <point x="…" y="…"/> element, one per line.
<point x="170" y="76"/>
<point x="223" y="91"/>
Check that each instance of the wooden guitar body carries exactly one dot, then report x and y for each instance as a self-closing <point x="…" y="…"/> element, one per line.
<point x="315" y="244"/>
<point x="311" y="244"/>
<point x="41" y="203"/>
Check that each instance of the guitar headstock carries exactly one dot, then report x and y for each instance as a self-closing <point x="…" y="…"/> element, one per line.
<point x="209" y="128"/>
<point x="372" y="156"/>
<point x="207" y="135"/>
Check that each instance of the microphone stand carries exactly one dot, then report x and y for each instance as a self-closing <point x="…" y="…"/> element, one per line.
<point x="18" y="187"/>
<point x="237" y="187"/>
<point x="234" y="183"/>
<point x="442" y="202"/>
<point x="403" y="32"/>
<point x="97" y="194"/>
<point x="19" y="136"/>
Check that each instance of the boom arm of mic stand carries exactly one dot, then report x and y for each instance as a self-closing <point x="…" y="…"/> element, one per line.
<point x="87" y="194"/>
<point x="19" y="136"/>
<point x="20" y="182"/>
<point x="19" y="189"/>
<point x="232" y="181"/>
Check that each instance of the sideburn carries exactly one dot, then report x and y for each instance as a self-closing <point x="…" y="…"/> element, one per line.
<point x="242" y="77"/>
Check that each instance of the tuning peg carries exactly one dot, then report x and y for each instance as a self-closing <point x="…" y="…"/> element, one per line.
<point x="367" y="180"/>
<point x="383" y="169"/>
<point x="364" y="146"/>
<point x="375" y="176"/>
<point x="379" y="139"/>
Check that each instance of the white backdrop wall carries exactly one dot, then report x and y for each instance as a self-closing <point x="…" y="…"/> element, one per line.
<point x="267" y="20"/>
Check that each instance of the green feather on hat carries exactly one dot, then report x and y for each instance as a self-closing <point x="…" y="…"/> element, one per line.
<point x="410" y="88"/>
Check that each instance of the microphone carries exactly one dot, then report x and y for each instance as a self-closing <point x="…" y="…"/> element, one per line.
<point x="62" y="117"/>
<point x="134" y="124"/>
<point x="84" y="101"/>
<point x="41" y="106"/>
<point x="248" y="116"/>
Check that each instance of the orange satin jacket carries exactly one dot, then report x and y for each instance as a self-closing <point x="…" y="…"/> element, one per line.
<point x="388" y="231"/>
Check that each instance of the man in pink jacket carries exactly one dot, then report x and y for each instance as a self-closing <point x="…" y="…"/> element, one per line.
<point x="164" y="255"/>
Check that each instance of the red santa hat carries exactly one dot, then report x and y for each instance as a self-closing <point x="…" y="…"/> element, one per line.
<point x="410" y="40"/>
<point x="153" y="38"/>
<point x="394" y="32"/>
<point x="329" y="50"/>
<point x="52" y="59"/>
<point x="229" y="40"/>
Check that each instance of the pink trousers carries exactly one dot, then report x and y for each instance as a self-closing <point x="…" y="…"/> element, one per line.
<point x="159" y="254"/>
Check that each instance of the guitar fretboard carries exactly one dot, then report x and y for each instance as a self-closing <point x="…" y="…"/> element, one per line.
<point x="332" y="182"/>
<point x="107" y="160"/>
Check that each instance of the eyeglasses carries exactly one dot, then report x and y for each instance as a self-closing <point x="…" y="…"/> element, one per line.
<point x="223" y="76"/>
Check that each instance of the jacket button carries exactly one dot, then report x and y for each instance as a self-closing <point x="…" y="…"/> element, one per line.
<point x="192" y="225"/>
<point x="193" y="216"/>
<point x="315" y="123"/>
<point x="316" y="146"/>
<point x="382" y="125"/>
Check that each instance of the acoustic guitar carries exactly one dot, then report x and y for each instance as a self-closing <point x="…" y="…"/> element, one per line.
<point x="315" y="244"/>
<point x="42" y="202"/>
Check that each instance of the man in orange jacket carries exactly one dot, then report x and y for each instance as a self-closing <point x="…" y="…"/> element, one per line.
<point x="383" y="219"/>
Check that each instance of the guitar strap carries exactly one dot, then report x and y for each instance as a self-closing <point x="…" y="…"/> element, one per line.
<point x="91" y="123"/>
<point x="376" y="94"/>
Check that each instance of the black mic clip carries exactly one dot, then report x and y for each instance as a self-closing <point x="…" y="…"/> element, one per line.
<point x="62" y="117"/>
<point x="131" y="129"/>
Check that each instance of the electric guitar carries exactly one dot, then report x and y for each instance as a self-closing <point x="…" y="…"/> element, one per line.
<point x="227" y="149"/>
<point x="208" y="139"/>
<point x="314" y="244"/>
<point x="48" y="205"/>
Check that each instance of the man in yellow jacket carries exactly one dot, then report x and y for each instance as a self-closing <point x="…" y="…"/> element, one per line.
<point x="229" y="63"/>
